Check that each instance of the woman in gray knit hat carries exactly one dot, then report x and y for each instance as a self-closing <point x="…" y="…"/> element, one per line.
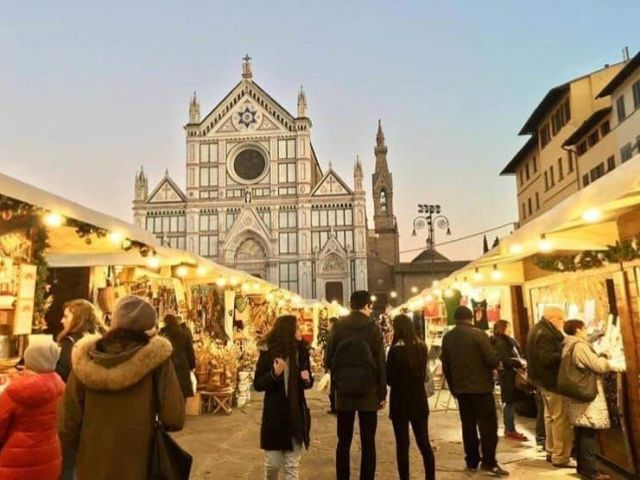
<point x="107" y="414"/>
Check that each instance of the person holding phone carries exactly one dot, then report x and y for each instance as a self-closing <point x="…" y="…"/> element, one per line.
<point x="284" y="373"/>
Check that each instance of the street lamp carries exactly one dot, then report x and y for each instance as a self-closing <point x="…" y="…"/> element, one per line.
<point x="431" y="217"/>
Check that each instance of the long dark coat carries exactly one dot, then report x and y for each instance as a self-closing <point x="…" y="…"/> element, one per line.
<point x="544" y="351"/>
<point x="508" y="350"/>
<point x="183" y="356"/>
<point x="408" y="398"/>
<point x="275" y="432"/>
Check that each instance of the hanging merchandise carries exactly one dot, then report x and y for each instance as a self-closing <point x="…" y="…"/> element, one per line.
<point x="480" y="318"/>
<point x="452" y="302"/>
<point x="243" y="313"/>
<point x="229" y="310"/>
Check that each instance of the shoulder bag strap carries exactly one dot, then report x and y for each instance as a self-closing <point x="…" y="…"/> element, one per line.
<point x="155" y="394"/>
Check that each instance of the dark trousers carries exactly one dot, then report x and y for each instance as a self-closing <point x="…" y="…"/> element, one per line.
<point x="421" y="432"/>
<point x="541" y="435"/>
<point x="586" y="445"/>
<point x="332" y="396"/>
<point x="368" y="425"/>
<point x="478" y="413"/>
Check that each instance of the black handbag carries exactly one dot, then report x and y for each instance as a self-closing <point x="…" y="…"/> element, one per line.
<point x="168" y="460"/>
<point x="574" y="382"/>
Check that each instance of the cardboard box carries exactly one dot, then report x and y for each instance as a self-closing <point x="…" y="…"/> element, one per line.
<point x="193" y="405"/>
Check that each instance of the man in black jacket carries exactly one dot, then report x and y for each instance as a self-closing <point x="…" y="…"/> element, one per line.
<point x="468" y="362"/>
<point x="544" y="351"/>
<point x="358" y="330"/>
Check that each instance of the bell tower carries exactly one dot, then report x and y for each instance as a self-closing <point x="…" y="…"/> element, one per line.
<point x="385" y="226"/>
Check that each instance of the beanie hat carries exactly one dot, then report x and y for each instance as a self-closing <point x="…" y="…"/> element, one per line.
<point x="462" y="314"/>
<point x="42" y="357"/>
<point x="134" y="313"/>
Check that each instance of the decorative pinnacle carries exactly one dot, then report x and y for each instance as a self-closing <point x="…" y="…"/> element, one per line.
<point x="380" y="135"/>
<point x="246" y="67"/>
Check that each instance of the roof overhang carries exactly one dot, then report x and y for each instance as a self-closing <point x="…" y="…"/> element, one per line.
<point x="512" y="166"/>
<point x="621" y="77"/>
<point x="612" y="196"/>
<point x="595" y="118"/>
<point x="550" y="99"/>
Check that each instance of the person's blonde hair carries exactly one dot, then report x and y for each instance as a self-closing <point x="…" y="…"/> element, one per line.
<point x="85" y="319"/>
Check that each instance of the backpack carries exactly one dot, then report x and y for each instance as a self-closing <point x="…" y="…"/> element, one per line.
<point x="353" y="368"/>
<point x="575" y="382"/>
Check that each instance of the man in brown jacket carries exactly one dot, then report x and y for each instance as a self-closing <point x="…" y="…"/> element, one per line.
<point x="107" y="412"/>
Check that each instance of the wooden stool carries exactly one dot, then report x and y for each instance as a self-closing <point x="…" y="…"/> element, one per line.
<point x="215" y="401"/>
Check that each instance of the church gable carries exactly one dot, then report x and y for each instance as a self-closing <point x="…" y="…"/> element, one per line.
<point x="331" y="184"/>
<point x="248" y="108"/>
<point x="167" y="191"/>
<point x="248" y="219"/>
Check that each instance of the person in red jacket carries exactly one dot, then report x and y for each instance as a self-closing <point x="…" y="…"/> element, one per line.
<point x="29" y="444"/>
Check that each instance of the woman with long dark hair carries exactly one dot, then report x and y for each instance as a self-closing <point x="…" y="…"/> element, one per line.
<point x="406" y="375"/>
<point x="283" y="373"/>
<point x="80" y="319"/>
<point x="183" y="356"/>
<point x="511" y="360"/>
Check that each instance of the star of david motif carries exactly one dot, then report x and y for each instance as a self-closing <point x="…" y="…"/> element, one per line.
<point x="247" y="117"/>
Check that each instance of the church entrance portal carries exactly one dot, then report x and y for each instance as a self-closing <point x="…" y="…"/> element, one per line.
<point x="252" y="258"/>
<point x="334" y="291"/>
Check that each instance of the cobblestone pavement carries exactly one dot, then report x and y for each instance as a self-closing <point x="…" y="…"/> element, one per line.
<point x="226" y="447"/>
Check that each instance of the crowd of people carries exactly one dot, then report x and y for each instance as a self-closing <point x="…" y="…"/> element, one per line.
<point x="94" y="397"/>
<point x="100" y="424"/>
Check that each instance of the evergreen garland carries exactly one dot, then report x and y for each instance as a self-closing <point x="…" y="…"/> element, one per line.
<point x="625" y="251"/>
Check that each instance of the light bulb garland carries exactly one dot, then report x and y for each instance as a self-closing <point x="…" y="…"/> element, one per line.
<point x="625" y="251"/>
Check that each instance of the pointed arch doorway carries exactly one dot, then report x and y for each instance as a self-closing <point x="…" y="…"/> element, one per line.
<point x="251" y="257"/>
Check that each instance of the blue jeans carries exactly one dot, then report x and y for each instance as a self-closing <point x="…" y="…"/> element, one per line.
<point x="509" y="414"/>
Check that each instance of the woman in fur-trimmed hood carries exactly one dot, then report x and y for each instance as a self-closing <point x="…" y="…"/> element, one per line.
<point x="107" y="412"/>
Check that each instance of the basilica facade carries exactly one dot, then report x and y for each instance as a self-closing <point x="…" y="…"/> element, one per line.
<point x="257" y="198"/>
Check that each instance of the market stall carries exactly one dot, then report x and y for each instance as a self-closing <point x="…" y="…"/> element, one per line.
<point x="581" y="256"/>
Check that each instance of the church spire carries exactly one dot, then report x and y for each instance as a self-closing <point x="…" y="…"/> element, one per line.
<point x="380" y="145"/>
<point x="358" y="175"/>
<point x="246" y="67"/>
<point x="303" y="110"/>
<point x="194" y="109"/>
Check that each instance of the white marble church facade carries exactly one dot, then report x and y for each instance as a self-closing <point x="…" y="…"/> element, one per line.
<point x="257" y="199"/>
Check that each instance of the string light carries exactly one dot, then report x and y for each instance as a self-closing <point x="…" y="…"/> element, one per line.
<point x="477" y="276"/>
<point x="234" y="282"/>
<point x="592" y="215"/>
<point x="221" y="282"/>
<point x="414" y="290"/>
<point x="393" y="295"/>
<point x="448" y="293"/>
<point x="516" y="249"/>
<point x="545" y="245"/>
<point x="435" y="284"/>
<point x="429" y="298"/>
<point x="53" y="220"/>
<point x="153" y="262"/>
<point x="182" y="271"/>
<point x="116" y="238"/>
<point x="201" y="271"/>
<point x="437" y="292"/>
<point x="245" y="287"/>
<point x="374" y="298"/>
<point x="496" y="274"/>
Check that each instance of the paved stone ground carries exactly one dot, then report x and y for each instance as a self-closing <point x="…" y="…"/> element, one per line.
<point x="226" y="447"/>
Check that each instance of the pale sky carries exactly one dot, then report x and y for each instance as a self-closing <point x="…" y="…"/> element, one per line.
<point x="89" y="91"/>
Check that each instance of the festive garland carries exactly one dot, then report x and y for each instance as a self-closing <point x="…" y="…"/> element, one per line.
<point x="625" y="251"/>
<point x="28" y="216"/>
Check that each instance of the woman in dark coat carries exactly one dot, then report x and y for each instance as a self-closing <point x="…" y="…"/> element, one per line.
<point x="406" y="375"/>
<point x="511" y="360"/>
<point x="80" y="319"/>
<point x="283" y="373"/>
<point x="183" y="356"/>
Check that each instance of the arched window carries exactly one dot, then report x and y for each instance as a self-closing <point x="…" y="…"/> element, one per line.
<point x="383" y="201"/>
